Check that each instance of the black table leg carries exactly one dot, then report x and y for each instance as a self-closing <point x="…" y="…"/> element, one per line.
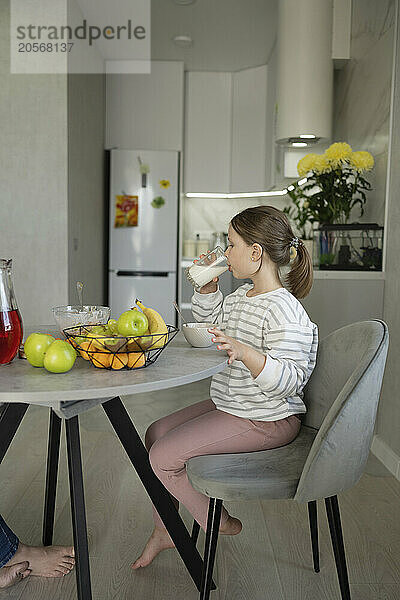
<point x="78" y="509"/>
<point x="138" y="455"/>
<point x="53" y="452"/>
<point x="10" y="420"/>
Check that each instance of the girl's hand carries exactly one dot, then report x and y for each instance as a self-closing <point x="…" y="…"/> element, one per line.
<point x="236" y="350"/>
<point x="211" y="286"/>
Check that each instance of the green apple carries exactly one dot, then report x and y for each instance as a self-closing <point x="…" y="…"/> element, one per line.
<point x="132" y="322"/>
<point x="36" y="346"/>
<point x="60" y="357"/>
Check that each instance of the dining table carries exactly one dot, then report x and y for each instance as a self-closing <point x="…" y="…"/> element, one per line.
<point x="68" y="395"/>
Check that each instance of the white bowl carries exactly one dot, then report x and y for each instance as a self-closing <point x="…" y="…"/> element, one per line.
<point x="196" y="334"/>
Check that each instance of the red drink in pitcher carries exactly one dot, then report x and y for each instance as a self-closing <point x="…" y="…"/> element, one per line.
<point x="10" y="335"/>
<point x="10" y="318"/>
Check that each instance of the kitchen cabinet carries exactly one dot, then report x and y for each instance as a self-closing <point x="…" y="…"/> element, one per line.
<point x="249" y="144"/>
<point x="208" y="125"/>
<point x="146" y="111"/>
<point x="226" y="147"/>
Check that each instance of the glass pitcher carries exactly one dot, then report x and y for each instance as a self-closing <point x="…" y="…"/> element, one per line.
<point x="10" y="318"/>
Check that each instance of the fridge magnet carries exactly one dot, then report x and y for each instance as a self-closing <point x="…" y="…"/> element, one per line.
<point x="158" y="202"/>
<point x="126" y="210"/>
<point x="144" y="169"/>
<point x="165" y="183"/>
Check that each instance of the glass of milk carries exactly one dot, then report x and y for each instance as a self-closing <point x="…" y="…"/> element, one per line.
<point x="205" y="269"/>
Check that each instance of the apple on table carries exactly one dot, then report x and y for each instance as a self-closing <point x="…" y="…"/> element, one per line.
<point x="42" y="350"/>
<point x="60" y="357"/>
<point x="36" y="346"/>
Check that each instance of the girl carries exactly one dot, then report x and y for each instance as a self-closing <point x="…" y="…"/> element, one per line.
<point x="271" y="345"/>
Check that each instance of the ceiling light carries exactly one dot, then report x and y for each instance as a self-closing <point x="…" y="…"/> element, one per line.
<point x="299" y="144"/>
<point x="184" y="2"/>
<point x="241" y="195"/>
<point x="183" y="41"/>
<point x="299" y="139"/>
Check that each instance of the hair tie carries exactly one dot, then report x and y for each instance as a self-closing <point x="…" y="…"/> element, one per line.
<point x="293" y="245"/>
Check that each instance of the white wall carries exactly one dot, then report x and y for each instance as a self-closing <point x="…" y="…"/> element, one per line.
<point x="362" y="96"/>
<point x="146" y="111"/>
<point x="33" y="184"/>
<point x="362" y="118"/>
<point x="86" y="205"/>
<point x="51" y="184"/>
<point x="388" y="424"/>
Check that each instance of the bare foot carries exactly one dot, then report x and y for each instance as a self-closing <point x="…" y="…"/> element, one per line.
<point x="231" y="527"/>
<point x="46" y="561"/>
<point x="10" y="575"/>
<point x="158" y="541"/>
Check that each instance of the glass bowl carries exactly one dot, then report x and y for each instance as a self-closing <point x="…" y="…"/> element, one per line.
<point x="73" y="315"/>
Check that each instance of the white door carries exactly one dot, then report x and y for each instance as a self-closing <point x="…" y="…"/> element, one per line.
<point x="155" y="291"/>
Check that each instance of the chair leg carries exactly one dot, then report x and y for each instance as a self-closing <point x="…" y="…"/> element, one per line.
<point x="335" y="527"/>
<point x="53" y="451"/>
<point x="312" y="515"/>
<point x="195" y="531"/>
<point x="82" y="569"/>
<point x="213" y="520"/>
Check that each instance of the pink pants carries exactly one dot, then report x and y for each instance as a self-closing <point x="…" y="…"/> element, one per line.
<point x="202" y="429"/>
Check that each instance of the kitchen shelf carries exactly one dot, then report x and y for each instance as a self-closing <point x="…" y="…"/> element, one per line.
<point x="353" y="275"/>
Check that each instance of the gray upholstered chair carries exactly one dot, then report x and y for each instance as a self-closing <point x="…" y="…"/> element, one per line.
<point x="327" y="457"/>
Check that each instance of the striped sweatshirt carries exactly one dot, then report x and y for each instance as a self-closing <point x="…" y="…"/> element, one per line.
<point x="276" y="324"/>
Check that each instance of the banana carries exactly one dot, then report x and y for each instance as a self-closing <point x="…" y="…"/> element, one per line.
<point x="157" y="325"/>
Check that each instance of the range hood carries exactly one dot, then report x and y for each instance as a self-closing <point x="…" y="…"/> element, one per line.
<point x="305" y="72"/>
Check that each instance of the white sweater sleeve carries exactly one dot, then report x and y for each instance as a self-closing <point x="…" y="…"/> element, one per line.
<point x="208" y="307"/>
<point x="288" y="348"/>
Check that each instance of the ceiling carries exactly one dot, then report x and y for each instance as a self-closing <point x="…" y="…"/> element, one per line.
<point x="228" y="35"/>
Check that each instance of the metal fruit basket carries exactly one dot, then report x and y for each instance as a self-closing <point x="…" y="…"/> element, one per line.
<point x="118" y="352"/>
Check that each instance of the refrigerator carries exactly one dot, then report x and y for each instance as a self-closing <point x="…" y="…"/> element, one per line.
<point x="143" y="230"/>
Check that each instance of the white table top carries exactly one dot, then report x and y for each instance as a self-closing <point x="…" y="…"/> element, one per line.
<point x="177" y="365"/>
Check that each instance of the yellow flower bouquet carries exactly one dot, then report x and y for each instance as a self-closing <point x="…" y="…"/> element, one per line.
<point x="334" y="185"/>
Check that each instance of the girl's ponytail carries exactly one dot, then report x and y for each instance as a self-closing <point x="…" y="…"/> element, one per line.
<point x="269" y="227"/>
<point x="299" y="280"/>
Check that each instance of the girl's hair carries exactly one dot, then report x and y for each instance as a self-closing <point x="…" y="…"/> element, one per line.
<point x="269" y="227"/>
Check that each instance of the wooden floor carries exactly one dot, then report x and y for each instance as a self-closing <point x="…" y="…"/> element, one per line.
<point x="270" y="559"/>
